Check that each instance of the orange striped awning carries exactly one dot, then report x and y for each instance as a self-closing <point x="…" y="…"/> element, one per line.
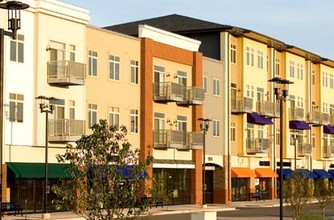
<point x="265" y="173"/>
<point x="242" y="172"/>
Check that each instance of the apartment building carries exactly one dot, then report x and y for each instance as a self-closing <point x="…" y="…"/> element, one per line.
<point x="43" y="61"/>
<point x="244" y="157"/>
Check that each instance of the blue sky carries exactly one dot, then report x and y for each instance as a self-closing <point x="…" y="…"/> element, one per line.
<point x="303" y="23"/>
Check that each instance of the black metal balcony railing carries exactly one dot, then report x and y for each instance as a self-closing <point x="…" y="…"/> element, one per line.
<point x="314" y="118"/>
<point x="169" y="91"/>
<point x="257" y="145"/>
<point x="64" y="130"/>
<point x="304" y="149"/>
<point x="328" y="151"/>
<point x="241" y="105"/>
<point x="269" y="109"/>
<point x="194" y="96"/>
<point x="64" y="73"/>
<point x="296" y="114"/>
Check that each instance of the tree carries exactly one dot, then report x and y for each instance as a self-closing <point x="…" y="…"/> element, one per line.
<point x="297" y="192"/>
<point x="107" y="178"/>
<point x="324" y="195"/>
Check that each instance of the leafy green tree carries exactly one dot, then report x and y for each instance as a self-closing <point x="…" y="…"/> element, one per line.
<point x="297" y="192"/>
<point x="324" y="194"/>
<point x="107" y="179"/>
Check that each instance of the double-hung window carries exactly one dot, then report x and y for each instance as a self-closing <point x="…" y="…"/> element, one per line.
<point x="17" y="49"/>
<point x="216" y="87"/>
<point x="114" y="117"/>
<point x="134" y="72"/>
<point x="16" y="107"/>
<point x="92" y="63"/>
<point x="134" y="119"/>
<point x="114" y="67"/>
<point x="216" y="128"/>
<point x="92" y="114"/>
<point x="233" y="53"/>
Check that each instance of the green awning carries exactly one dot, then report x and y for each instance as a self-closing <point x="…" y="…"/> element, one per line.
<point x="36" y="170"/>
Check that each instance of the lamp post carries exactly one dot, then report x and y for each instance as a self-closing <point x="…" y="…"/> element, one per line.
<point x="46" y="105"/>
<point x="281" y="93"/>
<point x="204" y="127"/>
<point x="14" y="23"/>
<point x="295" y="136"/>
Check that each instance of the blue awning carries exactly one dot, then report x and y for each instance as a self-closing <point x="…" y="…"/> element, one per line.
<point x="299" y="125"/>
<point x="328" y="129"/>
<point x="331" y="172"/>
<point x="286" y="173"/>
<point x="126" y="172"/>
<point x="255" y="118"/>
<point x="322" y="174"/>
<point x="307" y="174"/>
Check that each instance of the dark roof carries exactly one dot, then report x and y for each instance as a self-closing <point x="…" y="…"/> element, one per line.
<point x="172" y="23"/>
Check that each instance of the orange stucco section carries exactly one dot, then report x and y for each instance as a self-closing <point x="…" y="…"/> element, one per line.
<point x="149" y="50"/>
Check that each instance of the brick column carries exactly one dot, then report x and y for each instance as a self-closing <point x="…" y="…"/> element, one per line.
<point x="4" y="184"/>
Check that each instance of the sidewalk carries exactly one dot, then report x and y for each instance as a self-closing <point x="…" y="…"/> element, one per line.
<point x="166" y="210"/>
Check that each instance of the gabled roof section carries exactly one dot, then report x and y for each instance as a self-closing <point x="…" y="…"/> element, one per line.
<point x="172" y="23"/>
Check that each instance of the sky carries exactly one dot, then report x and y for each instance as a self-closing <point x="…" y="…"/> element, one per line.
<point x="307" y="24"/>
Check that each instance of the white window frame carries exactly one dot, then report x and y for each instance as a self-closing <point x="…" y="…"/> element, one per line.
<point x="205" y="84"/>
<point x="114" y="117"/>
<point x="92" y="115"/>
<point x="134" y="72"/>
<point x="215" y="128"/>
<point x="92" y="63"/>
<point x="16" y="106"/>
<point x="134" y="120"/>
<point x="17" y="49"/>
<point x="233" y="53"/>
<point x="114" y="67"/>
<point x="216" y="87"/>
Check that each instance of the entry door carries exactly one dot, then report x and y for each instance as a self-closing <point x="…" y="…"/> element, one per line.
<point x="209" y="186"/>
<point x="159" y="78"/>
<point x="57" y="56"/>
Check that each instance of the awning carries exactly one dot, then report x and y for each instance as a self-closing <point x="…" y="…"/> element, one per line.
<point x="242" y="172"/>
<point x="37" y="170"/>
<point x="125" y="171"/>
<point x="322" y="174"/>
<point x="308" y="174"/>
<point x="265" y="173"/>
<point x="328" y="129"/>
<point x="331" y="172"/>
<point x="286" y="173"/>
<point x="255" y="118"/>
<point x="299" y="125"/>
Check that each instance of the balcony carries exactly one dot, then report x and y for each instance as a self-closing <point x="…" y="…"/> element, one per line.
<point x="314" y="118"/>
<point x="169" y="92"/>
<point x="194" y="96"/>
<point x="325" y="118"/>
<point x="65" y="130"/>
<point x="268" y="109"/>
<point x="257" y="145"/>
<point x="327" y="151"/>
<point x="241" y="105"/>
<point x="296" y="114"/>
<point x="331" y="119"/>
<point x="195" y="140"/>
<point x="164" y="139"/>
<point x="304" y="149"/>
<point x="66" y="73"/>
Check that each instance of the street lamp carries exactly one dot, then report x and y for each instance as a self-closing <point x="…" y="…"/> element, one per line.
<point x="14" y="23"/>
<point x="204" y="127"/>
<point x="46" y="105"/>
<point x="281" y="96"/>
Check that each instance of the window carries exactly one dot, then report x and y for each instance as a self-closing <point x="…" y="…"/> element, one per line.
<point x="72" y="53"/>
<point x="260" y="59"/>
<point x="181" y="123"/>
<point x="313" y="79"/>
<point x="114" y="117"/>
<point x="114" y="67"/>
<point x="182" y="78"/>
<point x="159" y="121"/>
<point x="300" y="71"/>
<point x="247" y="56"/>
<point x="92" y="63"/>
<point x="17" y="49"/>
<point x="72" y="109"/>
<point x="233" y="53"/>
<point x="292" y="69"/>
<point x="233" y="130"/>
<point x="252" y="57"/>
<point x="216" y="87"/>
<point x="16" y="107"/>
<point x="278" y="137"/>
<point x="249" y="91"/>
<point x="331" y="81"/>
<point x="205" y="84"/>
<point x="277" y="67"/>
<point x="134" y="120"/>
<point x="324" y="79"/>
<point x="216" y="128"/>
<point x="92" y="114"/>
<point x="134" y="71"/>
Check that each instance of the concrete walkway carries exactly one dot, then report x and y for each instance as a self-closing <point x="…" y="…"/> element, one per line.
<point x="166" y="210"/>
